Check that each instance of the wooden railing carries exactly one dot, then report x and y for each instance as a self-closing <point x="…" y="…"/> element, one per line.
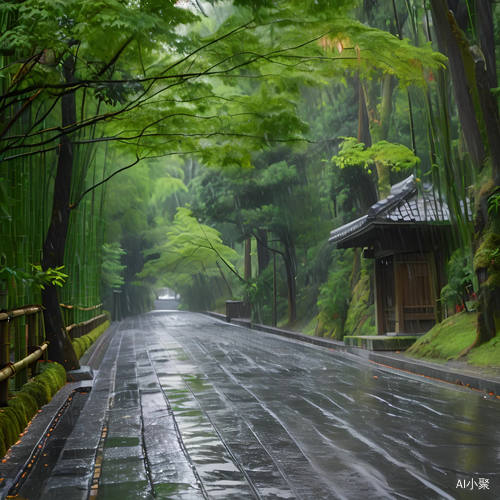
<point x="22" y="341"/>
<point x="78" y="329"/>
<point x="22" y="344"/>
<point x="78" y="314"/>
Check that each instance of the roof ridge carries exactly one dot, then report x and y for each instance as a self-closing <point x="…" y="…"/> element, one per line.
<point x="407" y="204"/>
<point x="399" y="192"/>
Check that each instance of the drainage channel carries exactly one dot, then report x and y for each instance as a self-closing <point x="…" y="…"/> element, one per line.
<point x="37" y="470"/>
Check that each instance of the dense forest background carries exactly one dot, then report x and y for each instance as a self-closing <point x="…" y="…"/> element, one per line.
<point x="210" y="147"/>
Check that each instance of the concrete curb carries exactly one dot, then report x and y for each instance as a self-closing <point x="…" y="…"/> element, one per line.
<point x="452" y="376"/>
<point x="332" y="344"/>
<point x="490" y="385"/>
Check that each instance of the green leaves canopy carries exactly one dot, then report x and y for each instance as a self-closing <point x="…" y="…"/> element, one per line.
<point x="354" y="153"/>
<point x="190" y="248"/>
<point x="185" y="83"/>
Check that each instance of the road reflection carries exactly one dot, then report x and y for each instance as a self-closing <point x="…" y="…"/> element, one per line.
<point x="300" y="422"/>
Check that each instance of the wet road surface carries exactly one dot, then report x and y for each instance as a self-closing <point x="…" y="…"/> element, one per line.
<point x="197" y="408"/>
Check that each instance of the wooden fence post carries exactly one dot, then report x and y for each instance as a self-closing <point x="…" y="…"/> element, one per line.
<point x="20" y="348"/>
<point x="32" y="341"/>
<point x="41" y="334"/>
<point x="4" y="359"/>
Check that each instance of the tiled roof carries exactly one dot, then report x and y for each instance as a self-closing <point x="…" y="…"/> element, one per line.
<point x="405" y="204"/>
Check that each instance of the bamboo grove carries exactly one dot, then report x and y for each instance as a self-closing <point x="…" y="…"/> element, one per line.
<point x="163" y="95"/>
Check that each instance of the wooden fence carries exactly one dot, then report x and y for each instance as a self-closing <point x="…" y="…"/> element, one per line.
<point x="22" y="341"/>
<point x="78" y="329"/>
<point x="73" y="315"/>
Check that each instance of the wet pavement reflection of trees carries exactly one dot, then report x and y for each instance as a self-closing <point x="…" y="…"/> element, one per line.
<point x="302" y="422"/>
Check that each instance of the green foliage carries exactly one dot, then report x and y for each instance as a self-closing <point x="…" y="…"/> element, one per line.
<point x="112" y="269"/>
<point x="36" y="279"/>
<point x="460" y="278"/>
<point x="334" y="296"/>
<point x="191" y="254"/>
<point x="191" y="247"/>
<point x="361" y="313"/>
<point x="52" y="276"/>
<point x="152" y="79"/>
<point x="354" y="153"/>
<point x="494" y="205"/>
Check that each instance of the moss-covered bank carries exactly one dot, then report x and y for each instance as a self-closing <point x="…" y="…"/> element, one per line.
<point x="450" y="338"/>
<point x="24" y="404"/>
<point x="81" y="344"/>
<point x="361" y="313"/>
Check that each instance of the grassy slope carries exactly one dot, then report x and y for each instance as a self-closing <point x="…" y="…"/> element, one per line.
<point x="446" y="340"/>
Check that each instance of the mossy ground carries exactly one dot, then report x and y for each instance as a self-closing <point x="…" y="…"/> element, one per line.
<point x="81" y="344"/>
<point x="448" y="339"/>
<point x="24" y="404"/>
<point x="361" y="314"/>
<point x="487" y="354"/>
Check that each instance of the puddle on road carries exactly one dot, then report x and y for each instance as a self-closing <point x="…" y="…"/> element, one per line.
<point x="217" y="470"/>
<point x="325" y="419"/>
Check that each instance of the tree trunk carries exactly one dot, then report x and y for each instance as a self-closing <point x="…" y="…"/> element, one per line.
<point x="290" y="267"/>
<point x="450" y="42"/>
<point x="491" y="119"/>
<point x="379" y="126"/>
<point x="248" y="260"/>
<point x="263" y="255"/>
<point x="363" y="122"/>
<point x="486" y="34"/>
<point x="472" y="72"/>
<point x="60" y="347"/>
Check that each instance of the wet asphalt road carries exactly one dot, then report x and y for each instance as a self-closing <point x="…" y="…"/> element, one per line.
<point x="199" y="408"/>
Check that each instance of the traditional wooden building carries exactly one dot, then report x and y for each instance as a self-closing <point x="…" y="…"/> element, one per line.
<point x="407" y="235"/>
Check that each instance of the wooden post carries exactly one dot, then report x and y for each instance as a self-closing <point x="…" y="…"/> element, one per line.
<point x="31" y="340"/>
<point x="4" y="359"/>
<point x="38" y="339"/>
<point x="434" y="282"/>
<point x="248" y="259"/>
<point x="398" y="296"/>
<point x="41" y="335"/>
<point x="379" y="306"/>
<point x="117" y="308"/>
<point x="20" y="350"/>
